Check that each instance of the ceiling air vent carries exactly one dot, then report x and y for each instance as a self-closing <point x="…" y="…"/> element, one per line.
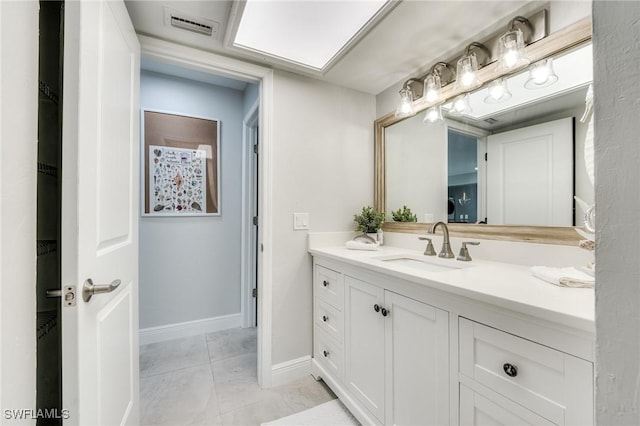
<point x="185" y="22"/>
<point x="491" y="120"/>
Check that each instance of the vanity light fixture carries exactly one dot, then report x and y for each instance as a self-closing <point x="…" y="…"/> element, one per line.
<point x="405" y="107"/>
<point x="467" y="67"/>
<point x="461" y="105"/>
<point x="433" y="115"/>
<point x="541" y="75"/>
<point x="498" y="91"/>
<point x="511" y="53"/>
<point x="435" y="81"/>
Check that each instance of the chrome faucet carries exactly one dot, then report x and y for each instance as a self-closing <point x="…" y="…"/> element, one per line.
<point x="446" y="245"/>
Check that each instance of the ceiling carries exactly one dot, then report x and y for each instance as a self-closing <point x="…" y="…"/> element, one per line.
<point x="405" y="42"/>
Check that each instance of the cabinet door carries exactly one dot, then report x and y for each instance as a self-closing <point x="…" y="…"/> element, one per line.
<point x="476" y="409"/>
<point x="417" y="362"/>
<point x="364" y="344"/>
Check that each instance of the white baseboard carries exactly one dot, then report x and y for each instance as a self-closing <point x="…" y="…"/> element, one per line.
<point x="291" y="370"/>
<point x="189" y="328"/>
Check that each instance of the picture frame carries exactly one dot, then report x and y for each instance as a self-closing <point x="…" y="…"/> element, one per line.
<point x="180" y="164"/>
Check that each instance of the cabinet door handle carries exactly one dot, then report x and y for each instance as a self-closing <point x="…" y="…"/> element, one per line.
<point x="376" y="307"/>
<point x="384" y="312"/>
<point x="325" y="353"/>
<point x="325" y="318"/>
<point x="325" y="283"/>
<point x="510" y="370"/>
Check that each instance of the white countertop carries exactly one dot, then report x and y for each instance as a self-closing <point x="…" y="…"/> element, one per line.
<point x="502" y="284"/>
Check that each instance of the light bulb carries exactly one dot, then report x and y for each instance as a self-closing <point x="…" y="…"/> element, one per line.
<point x="541" y="75"/>
<point x="405" y="108"/>
<point x="497" y="91"/>
<point x="433" y="114"/>
<point x="511" y="54"/>
<point x="432" y="85"/>
<point x="467" y="68"/>
<point x="461" y="105"/>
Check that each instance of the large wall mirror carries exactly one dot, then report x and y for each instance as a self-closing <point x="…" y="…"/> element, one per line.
<point x="507" y="169"/>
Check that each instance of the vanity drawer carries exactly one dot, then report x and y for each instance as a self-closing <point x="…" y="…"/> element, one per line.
<point x="329" y="319"/>
<point x="553" y="384"/>
<point x="328" y="353"/>
<point x="329" y="286"/>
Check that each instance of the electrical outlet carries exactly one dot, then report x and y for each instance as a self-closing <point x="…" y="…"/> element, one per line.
<point x="300" y="221"/>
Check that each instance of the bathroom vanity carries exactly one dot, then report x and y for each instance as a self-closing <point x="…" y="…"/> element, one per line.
<point x="408" y="339"/>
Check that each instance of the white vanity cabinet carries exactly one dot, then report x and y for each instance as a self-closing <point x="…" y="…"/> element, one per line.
<point x="396" y="353"/>
<point x="399" y="352"/>
<point x="551" y="384"/>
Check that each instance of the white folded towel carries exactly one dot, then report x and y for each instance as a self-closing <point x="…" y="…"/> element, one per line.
<point x="359" y="245"/>
<point x="564" y="277"/>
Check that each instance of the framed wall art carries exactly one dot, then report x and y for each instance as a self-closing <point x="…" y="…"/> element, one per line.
<point x="181" y="165"/>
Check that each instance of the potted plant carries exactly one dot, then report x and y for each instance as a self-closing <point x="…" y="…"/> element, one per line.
<point x="404" y="215"/>
<point x="369" y="222"/>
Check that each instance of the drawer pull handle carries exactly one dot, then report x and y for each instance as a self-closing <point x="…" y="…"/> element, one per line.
<point x="325" y="283"/>
<point x="510" y="370"/>
<point x="325" y="353"/>
<point x="376" y="307"/>
<point x="384" y="312"/>
<point x="325" y="318"/>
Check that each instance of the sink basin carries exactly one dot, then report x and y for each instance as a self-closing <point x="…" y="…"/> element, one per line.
<point x="423" y="264"/>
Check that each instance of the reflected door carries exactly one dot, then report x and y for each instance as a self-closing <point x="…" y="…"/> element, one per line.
<point x="530" y="175"/>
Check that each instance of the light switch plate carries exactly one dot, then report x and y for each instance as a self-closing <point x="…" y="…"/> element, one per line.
<point x="300" y="221"/>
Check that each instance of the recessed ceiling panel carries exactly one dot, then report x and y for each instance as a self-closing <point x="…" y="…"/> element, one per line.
<point x="309" y="33"/>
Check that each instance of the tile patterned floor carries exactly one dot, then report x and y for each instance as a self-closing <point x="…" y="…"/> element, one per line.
<point x="211" y="380"/>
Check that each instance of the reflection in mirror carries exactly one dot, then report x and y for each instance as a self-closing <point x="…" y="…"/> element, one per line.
<point x="462" y="206"/>
<point x="517" y="161"/>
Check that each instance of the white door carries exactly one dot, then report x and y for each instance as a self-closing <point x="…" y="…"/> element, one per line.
<point x="417" y="362"/>
<point x="100" y="213"/>
<point x="364" y="344"/>
<point x="530" y="175"/>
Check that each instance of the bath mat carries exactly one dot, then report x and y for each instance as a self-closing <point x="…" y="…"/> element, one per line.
<point x="331" y="413"/>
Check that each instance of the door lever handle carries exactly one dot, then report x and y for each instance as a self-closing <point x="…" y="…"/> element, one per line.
<point x="89" y="289"/>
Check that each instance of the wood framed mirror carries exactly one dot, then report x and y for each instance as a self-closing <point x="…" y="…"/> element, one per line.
<point x="392" y="184"/>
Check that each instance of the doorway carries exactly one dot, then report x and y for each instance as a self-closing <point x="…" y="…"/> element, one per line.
<point x="49" y="350"/>
<point x="251" y="217"/>
<point x="211" y="276"/>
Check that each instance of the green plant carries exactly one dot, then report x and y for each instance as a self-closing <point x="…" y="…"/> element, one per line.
<point x="369" y="220"/>
<point x="404" y="215"/>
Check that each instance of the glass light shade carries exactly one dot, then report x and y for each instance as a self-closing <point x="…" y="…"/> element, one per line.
<point x="512" y="54"/>
<point x="541" y="75"/>
<point x="433" y="115"/>
<point x="497" y="91"/>
<point x="432" y="85"/>
<point x="461" y="105"/>
<point x="467" y="73"/>
<point x="405" y="107"/>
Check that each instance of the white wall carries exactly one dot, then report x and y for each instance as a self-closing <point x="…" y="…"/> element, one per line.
<point x="561" y="14"/>
<point x="323" y="165"/>
<point x="617" y="126"/>
<point x="18" y="156"/>
<point x="190" y="266"/>
<point x="250" y="96"/>
<point x="416" y="168"/>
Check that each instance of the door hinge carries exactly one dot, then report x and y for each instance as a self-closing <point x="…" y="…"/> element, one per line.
<point x="254" y="292"/>
<point x="255" y="148"/>
<point x="485" y="156"/>
<point x="255" y="220"/>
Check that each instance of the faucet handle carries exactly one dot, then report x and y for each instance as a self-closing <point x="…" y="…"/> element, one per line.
<point x="464" y="251"/>
<point x="429" y="251"/>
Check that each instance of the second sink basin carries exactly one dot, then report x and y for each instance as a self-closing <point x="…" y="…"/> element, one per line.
<point x="423" y="264"/>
